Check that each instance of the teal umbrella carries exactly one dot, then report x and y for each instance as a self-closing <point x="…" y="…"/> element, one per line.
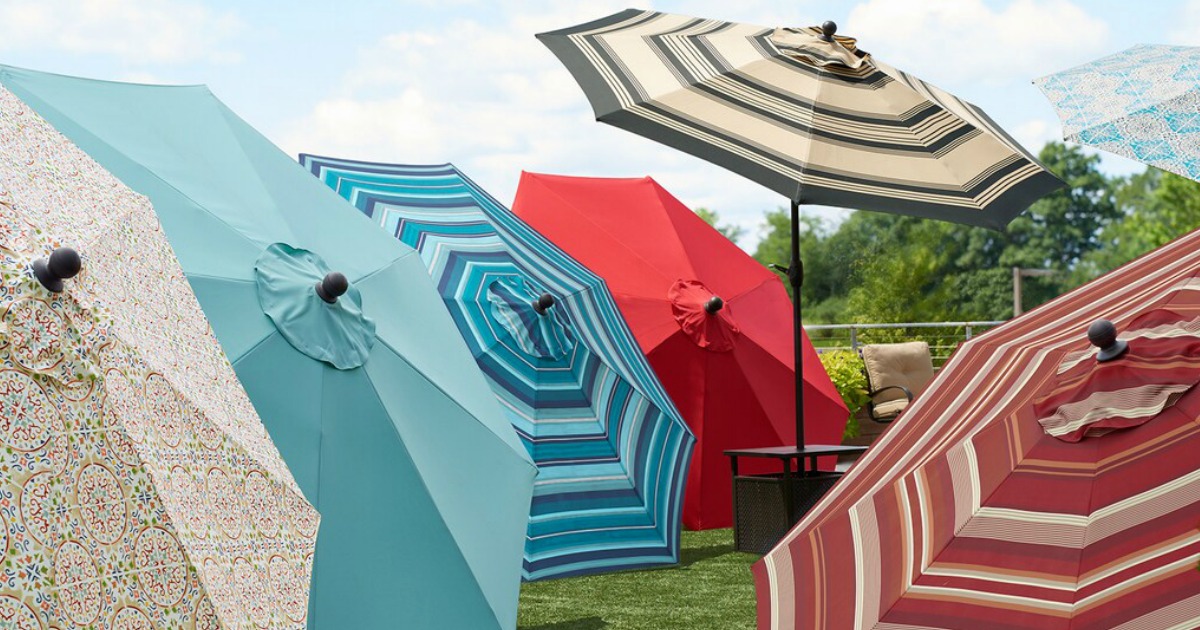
<point x="373" y="399"/>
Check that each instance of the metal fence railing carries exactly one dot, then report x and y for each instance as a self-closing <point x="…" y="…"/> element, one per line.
<point x="943" y="337"/>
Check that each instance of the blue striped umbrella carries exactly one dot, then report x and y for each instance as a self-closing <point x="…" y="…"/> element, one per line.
<point x="611" y="449"/>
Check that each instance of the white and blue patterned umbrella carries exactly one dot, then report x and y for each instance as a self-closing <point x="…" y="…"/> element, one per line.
<point x="1142" y="103"/>
<point x="612" y="451"/>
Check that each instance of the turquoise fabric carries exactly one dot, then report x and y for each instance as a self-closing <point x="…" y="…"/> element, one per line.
<point x="423" y="486"/>
<point x="338" y="334"/>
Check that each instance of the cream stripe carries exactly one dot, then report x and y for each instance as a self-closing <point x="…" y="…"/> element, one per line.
<point x="773" y="589"/>
<point x="859" y="568"/>
<point x="1076" y="531"/>
<point x="1146" y="557"/>
<point x="994" y="598"/>
<point x="960" y="478"/>
<point x="1181" y="615"/>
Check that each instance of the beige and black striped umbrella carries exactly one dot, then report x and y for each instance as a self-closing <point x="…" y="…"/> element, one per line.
<point x="804" y="113"/>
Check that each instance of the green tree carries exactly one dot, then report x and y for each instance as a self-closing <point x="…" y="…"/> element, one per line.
<point x="1156" y="208"/>
<point x="1061" y="229"/>
<point x="731" y="232"/>
<point x="890" y="268"/>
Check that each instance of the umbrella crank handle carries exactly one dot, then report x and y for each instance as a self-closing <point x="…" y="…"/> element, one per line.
<point x="796" y="274"/>
<point x="795" y="280"/>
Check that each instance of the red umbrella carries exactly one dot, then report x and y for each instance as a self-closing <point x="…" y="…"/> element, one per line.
<point x="715" y="324"/>
<point x="1032" y="485"/>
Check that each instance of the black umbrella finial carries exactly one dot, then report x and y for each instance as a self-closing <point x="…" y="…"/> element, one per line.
<point x="714" y="304"/>
<point x="61" y="264"/>
<point x="332" y="286"/>
<point x="543" y="302"/>
<point x="828" y="29"/>
<point x="1103" y="334"/>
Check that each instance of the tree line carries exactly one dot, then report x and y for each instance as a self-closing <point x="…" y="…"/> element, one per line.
<point x="877" y="267"/>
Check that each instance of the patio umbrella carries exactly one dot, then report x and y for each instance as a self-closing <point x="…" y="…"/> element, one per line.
<point x="728" y="363"/>
<point x="1031" y="486"/>
<point x="1142" y="103"/>
<point x="611" y="449"/>
<point x="362" y="381"/>
<point x="805" y="113"/>
<point x="138" y="488"/>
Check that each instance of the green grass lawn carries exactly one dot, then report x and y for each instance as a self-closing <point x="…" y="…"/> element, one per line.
<point x="711" y="588"/>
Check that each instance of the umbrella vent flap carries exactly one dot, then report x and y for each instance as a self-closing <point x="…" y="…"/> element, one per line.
<point x="294" y="291"/>
<point x="1092" y="398"/>
<point x="703" y="316"/>
<point x="808" y="45"/>
<point x="537" y="330"/>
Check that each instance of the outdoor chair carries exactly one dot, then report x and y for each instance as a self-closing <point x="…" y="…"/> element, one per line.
<point x="896" y="373"/>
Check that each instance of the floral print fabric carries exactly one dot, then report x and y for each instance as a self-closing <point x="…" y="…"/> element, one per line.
<point x="138" y="488"/>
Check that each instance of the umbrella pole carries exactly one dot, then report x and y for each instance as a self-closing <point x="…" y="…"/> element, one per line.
<point x="796" y="278"/>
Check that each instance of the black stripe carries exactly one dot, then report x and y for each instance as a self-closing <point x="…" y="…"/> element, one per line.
<point x="910" y="118"/>
<point x="981" y="185"/>
<point x="597" y="90"/>
<point x="816" y="131"/>
<point x="995" y="215"/>
<point x="907" y="119"/>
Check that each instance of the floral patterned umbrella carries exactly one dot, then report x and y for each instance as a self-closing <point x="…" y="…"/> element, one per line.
<point x="138" y="488"/>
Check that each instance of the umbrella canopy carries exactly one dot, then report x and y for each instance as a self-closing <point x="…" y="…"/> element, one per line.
<point x="139" y="489"/>
<point x="805" y="113"/>
<point x="373" y="399"/>
<point x="1031" y="486"/>
<point x="820" y="122"/>
<point x="729" y="369"/>
<point x="1141" y="103"/>
<point x="611" y="449"/>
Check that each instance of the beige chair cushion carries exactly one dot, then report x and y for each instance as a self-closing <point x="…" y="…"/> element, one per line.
<point x="906" y="364"/>
<point x="891" y="407"/>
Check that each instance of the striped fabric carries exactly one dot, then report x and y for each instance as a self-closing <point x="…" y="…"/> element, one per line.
<point x="819" y="122"/>
<point x="968" y="514"/>
<point x="545" y="336"/>
<point x="612" y="451"/>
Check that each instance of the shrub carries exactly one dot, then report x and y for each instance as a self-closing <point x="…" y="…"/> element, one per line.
<point x="845" y="369"/>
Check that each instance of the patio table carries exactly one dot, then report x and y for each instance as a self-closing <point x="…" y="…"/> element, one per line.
<point x="766" y="506"/>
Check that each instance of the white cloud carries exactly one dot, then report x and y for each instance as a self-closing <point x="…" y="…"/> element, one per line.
<point x="137" y="31"/>
<point x="959" y="40"/>
<point x="494" y="100"/>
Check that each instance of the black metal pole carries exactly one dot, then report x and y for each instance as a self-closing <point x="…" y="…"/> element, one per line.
<point x="796" y="279"/>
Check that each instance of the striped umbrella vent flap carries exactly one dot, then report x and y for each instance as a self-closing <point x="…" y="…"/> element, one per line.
<point x="1030" y="486"/>
<point x="611" y="449"/>
<point x="820" y="122"/>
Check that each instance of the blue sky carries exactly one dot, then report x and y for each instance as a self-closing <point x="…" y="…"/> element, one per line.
<point x="422" y="81"/>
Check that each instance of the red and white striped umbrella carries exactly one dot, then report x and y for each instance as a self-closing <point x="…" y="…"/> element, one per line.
<point x="1030" y="486"/>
